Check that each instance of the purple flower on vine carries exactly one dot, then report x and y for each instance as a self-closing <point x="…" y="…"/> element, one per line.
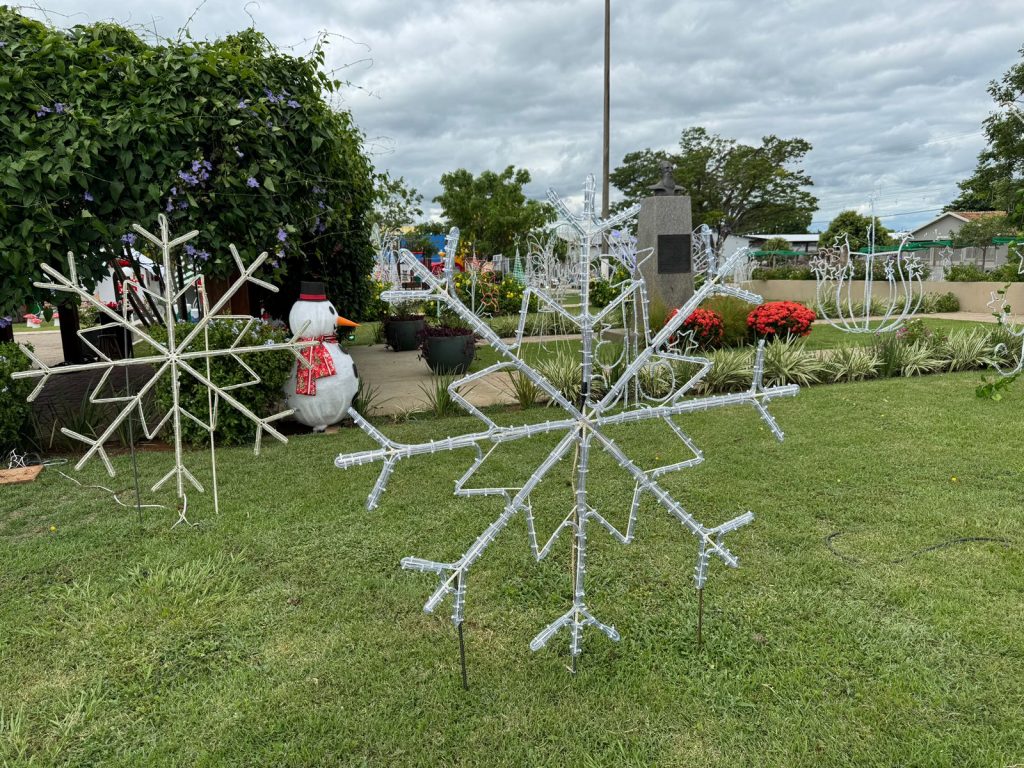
<point x="294" y="104"/>
<point x="271" y="97"/>
<point x="43" y="111"/>
<point x="243" y="104"/>
<point x="87" y="196"/>
<point x="170" y="205"/>
<point x="58" y="107"/>
<point x="275" y="263"/>
<point x="128" y="238"/>
<point x="252" y="183"/>
<point x="281" y="235"/>
<point x="239" y="152"/>
<point x="182" y="205"/>
<point x="188" y="178"/>
<point x="3" y="43"/>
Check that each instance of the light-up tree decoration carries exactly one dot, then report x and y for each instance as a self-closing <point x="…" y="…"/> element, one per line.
<point x="386" y="249"/>
<point x="187" y="356"/>
<point x="583" y="424"/>
<point x="837" y="300"/>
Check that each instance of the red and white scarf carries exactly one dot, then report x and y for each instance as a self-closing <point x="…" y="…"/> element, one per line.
<point x="320" y="365"/>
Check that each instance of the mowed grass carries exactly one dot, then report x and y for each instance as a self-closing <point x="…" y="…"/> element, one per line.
<point x="825" y="336"/>
<point x="283" y="632"/>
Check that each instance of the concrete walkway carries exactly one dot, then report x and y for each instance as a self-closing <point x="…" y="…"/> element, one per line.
<point x="402" y="381"/>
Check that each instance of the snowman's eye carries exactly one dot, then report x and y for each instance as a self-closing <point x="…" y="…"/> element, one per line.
<point x="333" y="311"/>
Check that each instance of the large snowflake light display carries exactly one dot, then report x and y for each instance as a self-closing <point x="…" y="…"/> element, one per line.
<point x="175" y="357"/>
<point x="837" y="268"/>
<point x="603" y="403"/>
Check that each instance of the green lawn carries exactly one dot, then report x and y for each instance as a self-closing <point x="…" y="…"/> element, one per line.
<point x="23" y="328"/>
<point x="282" y="632"/>
<point x="825" y="336"/>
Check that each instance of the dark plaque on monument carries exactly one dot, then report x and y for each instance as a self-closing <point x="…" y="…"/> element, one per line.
<point x="674" y="254"/>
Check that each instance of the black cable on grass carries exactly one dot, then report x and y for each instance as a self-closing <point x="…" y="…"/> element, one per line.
<point x="917" y="553"/>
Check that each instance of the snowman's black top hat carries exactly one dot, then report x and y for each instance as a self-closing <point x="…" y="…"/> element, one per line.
<point x="312" y="291"/>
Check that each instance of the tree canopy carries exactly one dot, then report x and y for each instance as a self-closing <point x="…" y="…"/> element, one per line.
<point x="855" y="228"/>
<point x="998" y="180"/>
<point x="100" y="129"/>
<point x="395" y="203"/>
<point x="733" y="187"/>
<point x="491" y="210"/>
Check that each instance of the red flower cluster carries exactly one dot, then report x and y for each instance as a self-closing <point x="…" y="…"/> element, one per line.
<point x="705" y="325"/>
<point x="781" y="318"/>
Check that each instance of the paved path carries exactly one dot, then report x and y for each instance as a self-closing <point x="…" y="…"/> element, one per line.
<point x="400" y="379"/>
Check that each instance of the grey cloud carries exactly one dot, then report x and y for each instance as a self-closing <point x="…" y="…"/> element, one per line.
<point x="891" y="95"/>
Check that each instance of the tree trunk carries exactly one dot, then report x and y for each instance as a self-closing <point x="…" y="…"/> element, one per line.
<point x="69" y="340"/>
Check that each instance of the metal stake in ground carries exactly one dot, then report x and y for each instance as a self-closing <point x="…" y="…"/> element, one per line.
<point x="462" y="658"/>
<point x="700" y="618"/>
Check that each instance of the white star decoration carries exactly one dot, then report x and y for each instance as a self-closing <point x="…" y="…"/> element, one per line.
<point x="190" y="355"/>
<point x="584" y="426"/>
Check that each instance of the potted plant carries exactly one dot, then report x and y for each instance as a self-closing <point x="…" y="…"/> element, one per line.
<point x="402" y="328"/>
<point x="448" y="346"/>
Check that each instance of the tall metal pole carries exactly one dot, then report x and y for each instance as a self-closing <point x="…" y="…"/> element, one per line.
<point x="607" y="103"/>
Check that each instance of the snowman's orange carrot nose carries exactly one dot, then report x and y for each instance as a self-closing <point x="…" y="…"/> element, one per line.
<point x="343" y="323"/>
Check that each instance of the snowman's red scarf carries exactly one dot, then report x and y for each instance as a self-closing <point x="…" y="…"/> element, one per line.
<point x="320" y="365"/>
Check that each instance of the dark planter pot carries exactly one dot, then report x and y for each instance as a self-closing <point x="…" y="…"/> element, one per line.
<point x="115" y="343"/>
<point x="449" y="354"/>
<point x="6" y="334"/>
<point x="403" y="335"/>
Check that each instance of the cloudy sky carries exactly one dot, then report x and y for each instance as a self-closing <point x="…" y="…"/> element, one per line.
<point x="890" y="94"/>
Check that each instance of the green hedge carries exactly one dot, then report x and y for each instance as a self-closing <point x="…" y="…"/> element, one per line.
<point x="263" y="399"/>
<point x="14" y="409"/>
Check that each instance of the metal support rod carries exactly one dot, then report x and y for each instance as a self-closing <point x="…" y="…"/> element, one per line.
<point x="462" y="658"/>
<point x="700" y="618"/>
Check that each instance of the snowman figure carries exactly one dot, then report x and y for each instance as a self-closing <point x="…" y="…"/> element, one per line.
<point x="320" y="394"/>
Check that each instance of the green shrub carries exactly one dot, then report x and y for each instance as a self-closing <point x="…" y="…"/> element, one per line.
<point x="263" y="399"/>
<point x="603" y="292"/>
<point x="947" y="302"/>
<point x="915" y="332"/>
<point x="966" y="350"/>
<point x="733" y="313"/>
<point x="966" y="273"/>
<point x="785" y="272"/>
<point x="376" y="307"/>
<point x="14" y="409"/>
<point x="854" y="363"/>
<point x="510" y="296"/>
<point x="789" y="362"/>
<point x="732" y="370"/>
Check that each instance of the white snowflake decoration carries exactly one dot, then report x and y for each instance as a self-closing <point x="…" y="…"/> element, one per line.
<point x="838" y="302"/>
<point x="190" y="356"/>
<point x="584" y="426"/>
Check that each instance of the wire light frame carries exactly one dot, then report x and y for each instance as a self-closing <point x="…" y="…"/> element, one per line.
<point x="583" y="424"/>
<point x="884" y="304"/>
<point x="189" y="356"/>
<point x="1004" y="313"/>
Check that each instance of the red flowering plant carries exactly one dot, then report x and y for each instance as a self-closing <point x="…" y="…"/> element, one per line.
<point x="705" y="325"/>
<point x="781" y="319"/>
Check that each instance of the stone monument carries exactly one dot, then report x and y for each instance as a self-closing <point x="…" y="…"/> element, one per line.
<point x="665" y="224"/>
